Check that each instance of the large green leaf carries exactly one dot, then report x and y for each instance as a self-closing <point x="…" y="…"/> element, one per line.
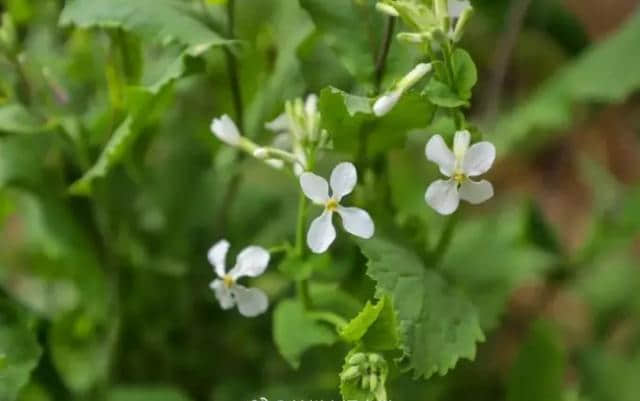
<point x="538" y="374"/>
<point x="294" y="332"/>
<point x="438" y="323"/>
<point x="154" y="20"/>
<point x="19" y="351"/>
<point x="600" y="75"/>
<point x="351" y="28"/>
<point x="350" y="121"/>
<point x="499" y="262"/>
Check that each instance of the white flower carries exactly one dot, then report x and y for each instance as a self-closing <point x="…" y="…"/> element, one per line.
<point x="251" y="262"/>
<point x="461" y="164"/>
<point x="355" y="220"/>
<point x="456" y="7"/>
<point x="226" y="130"/>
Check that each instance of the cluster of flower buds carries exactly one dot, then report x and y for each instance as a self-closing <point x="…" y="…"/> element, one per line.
<point x="432" y="21"/>
<point x="298" y="134"/>
<point x="369" y="371"/>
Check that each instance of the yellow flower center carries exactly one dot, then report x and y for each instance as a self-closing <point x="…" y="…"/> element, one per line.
<point x="459" y="177"/>
<point x="228" y="281"/>
<point x="332" y="205"/>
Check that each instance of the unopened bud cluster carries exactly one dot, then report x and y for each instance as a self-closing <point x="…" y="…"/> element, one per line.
<point x="368" y="371"/>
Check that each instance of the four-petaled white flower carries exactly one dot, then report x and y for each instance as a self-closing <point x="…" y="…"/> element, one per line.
<point x="226" y="130"/>
<point x="461" y="164"/>
<point x="355" y="220"/>
<point x="251" y="262"/>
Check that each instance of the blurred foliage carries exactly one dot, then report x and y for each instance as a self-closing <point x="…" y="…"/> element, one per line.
<point x="112" y="188"/>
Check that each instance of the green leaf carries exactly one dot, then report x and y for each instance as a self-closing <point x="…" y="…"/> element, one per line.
<point x="349" y="118"/>
<point x="438" y="323"/>
<point x="538" y="373"/>
<point x="298" y="268"/>
<point x="501" y="261"/>
<point x="81" y="348"/>
<point x="156" y="393"/>
<point x="442" y="95"/>
<point x="154" y="20"/>
<point x="16" y="119"/>
<point x="346" y="27"/>
<point x="294" y="332"/>
<point x="464" y="72"/>
<point x="375" y="325"/>
<point x="599" y="75"/>
<point x="19" y="351"/>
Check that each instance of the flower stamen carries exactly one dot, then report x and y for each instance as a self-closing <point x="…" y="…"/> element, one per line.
<point x="228" y="281"/>
<point x="332" y="205"/>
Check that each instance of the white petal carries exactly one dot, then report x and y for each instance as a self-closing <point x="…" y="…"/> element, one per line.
<point x="315" y="187"/>
<point x="456" y="7"/>
<point x="251" y="301"/>
<point x="281" y="123"/>
<point x="282" y="141"/>
<point x="217" y="254"/>
<point x="479" y="158"/>
<point x="251" y="262"/>
<point x="356" y="221"/>
<point x="311" y="105"/>
<point x="460" y="144"/>
<point x="438" y="152"/>
<point x="321" y="233"/>
<point x="344" y="178"/>
<point x="443" y="196"/>
<point x="222" y="294"/>
<point x="476" y="192"/>
<point x="275" y="163"/>
<point x="385" y="103"/>
<point x="225" y="129"/>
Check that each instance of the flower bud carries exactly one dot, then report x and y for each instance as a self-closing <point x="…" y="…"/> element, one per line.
<point x="357" y="359"/>
<point x="415" y="75"/>
<point x="373" y="381"/>
<point x="411" y="37"/>
<point x="261" y="153"/>
<point x="350" y="373"/>
<point x="387" y="9"/>
<point x="386" y="102"/>
<point x="226" y="130"/>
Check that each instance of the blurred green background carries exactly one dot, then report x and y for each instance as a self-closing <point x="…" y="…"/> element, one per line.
<point x="104" y="287"/>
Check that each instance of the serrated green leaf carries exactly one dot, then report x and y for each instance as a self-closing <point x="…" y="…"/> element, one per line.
<point x="16" y="119"/>
<point x="538" y="373"/>
<point x="438" y="324"/>
<point x="19" y="351"/>
<point x="442" y="95"/>
<point x="464" y="73"/>
<point x="154" y="20"/>
<point x="599" y="75"/>
<point x="294" y="332"/>
<point x="374" y="326"/>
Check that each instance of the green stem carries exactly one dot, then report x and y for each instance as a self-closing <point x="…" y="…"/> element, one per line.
<point x="302" y="213"/>
<point x="445" y="239"/>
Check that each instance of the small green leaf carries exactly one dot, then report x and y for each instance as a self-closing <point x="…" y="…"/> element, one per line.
<point x="438" y="324"/>
<point x="16" y="119"/>
<point x="298" y="268"/>
<point x="375" y="326"/>
<point x="464" y="72"/>
<point x="442" y="95"/>
<point x="294" y="332"/>
<point x="19" y="351"/>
